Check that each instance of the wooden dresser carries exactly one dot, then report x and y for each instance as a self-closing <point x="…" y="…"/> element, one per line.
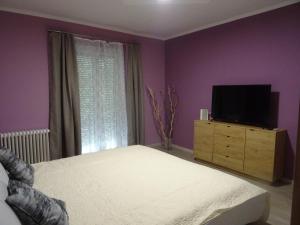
<point x="250" y="150"/>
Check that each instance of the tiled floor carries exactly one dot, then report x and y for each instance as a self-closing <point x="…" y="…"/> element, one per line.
<point x="281" y="195"/>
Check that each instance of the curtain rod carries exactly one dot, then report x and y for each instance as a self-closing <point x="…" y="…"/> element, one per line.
<point x="88" y="37"/>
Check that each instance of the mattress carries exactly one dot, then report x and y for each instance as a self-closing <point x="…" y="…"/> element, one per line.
<point x="138" y="185"/>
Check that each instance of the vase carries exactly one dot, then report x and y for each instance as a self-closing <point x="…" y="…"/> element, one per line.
<point x="167" y="144"/>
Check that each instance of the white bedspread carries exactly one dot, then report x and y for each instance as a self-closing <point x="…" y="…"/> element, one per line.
<point x="140" y="186"/>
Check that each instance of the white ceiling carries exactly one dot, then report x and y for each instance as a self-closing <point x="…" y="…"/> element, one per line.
<point x="162" y="19"/>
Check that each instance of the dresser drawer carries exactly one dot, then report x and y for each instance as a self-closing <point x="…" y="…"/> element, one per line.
<point x="236" y="141"/>
<point x="261" y="139"/>
<point x="203" y="129"/>
<point x="203" y="123"/>
<point x="260" y="144"/>
<point x="230" y="131"/>
<point x="228" y="162"/>
<point x="230" y="148"/>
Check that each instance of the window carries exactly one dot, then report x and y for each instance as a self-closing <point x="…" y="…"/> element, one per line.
<point x="102" y="94"/>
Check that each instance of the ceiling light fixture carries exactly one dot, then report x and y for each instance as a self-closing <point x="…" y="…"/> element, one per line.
<point x="164" y="1"/>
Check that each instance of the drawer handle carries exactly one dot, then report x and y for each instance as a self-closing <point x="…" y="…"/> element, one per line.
<point x="252" y="130"/>
<point x="228" y="126"/>
<point x="227" y="146"/>
<point x="228" y="136"/>
<point x="227" y="156"/>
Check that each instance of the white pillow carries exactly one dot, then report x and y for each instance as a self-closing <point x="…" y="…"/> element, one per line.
<point x="3" y="191"/>
<point x="3" y="175"/>
<point x="3" y="183"/>
<point x="7" y="215"/>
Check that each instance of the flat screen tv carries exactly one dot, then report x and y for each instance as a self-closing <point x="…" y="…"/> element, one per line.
<point x="245" y="104"/>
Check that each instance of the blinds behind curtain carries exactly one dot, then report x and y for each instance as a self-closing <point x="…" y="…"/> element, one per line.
<point x="102" y="94"/>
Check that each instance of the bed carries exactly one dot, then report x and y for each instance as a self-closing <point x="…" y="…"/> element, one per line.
<point x="138" y="185"/>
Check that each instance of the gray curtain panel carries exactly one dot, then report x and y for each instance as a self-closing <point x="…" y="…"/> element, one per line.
<point x="64" y="121"/>
<point x="134" y="95"/>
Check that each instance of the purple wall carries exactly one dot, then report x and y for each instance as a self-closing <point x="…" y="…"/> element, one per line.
<point x="24" y="69"/>
<point x="261" y="49"/>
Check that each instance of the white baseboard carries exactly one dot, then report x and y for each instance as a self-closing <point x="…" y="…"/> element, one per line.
<point x="173" y="145"/>
<point x="154" y="145"/>
<point x="183" y="148"/>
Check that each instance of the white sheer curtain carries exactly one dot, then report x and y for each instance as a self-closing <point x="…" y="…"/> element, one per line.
<point x="102" y="94"/>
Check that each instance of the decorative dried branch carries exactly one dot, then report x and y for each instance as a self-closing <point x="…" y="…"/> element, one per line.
<point x="157" y="115"/>
<point x="173" y="101"/>
<point x="165" y="132"/>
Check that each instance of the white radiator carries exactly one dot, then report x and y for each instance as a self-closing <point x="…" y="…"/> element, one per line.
<point x="31" y="146"/>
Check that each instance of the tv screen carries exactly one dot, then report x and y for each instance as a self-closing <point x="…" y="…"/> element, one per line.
<point x="246" y="104"/>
